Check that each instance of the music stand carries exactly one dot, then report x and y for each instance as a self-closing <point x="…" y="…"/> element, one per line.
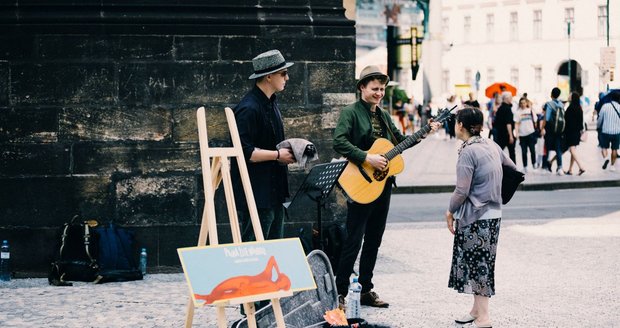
<point x="317" y="186"/>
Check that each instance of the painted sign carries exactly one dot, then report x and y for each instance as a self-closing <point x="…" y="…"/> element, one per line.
<point x="229" y="271"/>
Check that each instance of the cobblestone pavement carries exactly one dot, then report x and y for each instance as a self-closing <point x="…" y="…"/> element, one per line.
<point x="551" y="273"/>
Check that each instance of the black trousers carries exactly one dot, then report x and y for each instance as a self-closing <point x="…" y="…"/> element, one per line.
<point x="503" y="143"/>
<point x="365" y="222"/>
<point x="528" y="142"/>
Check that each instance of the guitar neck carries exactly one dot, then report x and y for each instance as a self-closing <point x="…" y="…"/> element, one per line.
<point x="407" y="143"/>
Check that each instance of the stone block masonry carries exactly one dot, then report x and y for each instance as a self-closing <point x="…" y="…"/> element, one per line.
<point x="98" y="102"/>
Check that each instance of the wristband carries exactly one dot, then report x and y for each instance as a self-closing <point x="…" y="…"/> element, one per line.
<point x="278" y="157"/>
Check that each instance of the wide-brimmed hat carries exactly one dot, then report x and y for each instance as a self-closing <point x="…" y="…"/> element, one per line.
<point x="371" y="71"/>
<point x="267" y="63"/>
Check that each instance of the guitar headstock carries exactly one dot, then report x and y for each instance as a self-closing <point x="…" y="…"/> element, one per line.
<point x="442" y="115"/>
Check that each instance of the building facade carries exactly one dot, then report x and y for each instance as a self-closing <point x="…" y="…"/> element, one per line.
<point x="526" y="43"/>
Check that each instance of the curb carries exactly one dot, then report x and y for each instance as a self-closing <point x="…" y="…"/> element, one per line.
<point x="430" y="189"/>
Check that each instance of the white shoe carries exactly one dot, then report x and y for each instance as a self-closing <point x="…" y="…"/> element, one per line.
<point x="612" y="168"/>
<point x="559" y="172"/>
<point x="525" y="169"/>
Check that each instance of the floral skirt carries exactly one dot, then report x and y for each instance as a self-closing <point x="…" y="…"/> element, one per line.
<point x="473" y="258"/>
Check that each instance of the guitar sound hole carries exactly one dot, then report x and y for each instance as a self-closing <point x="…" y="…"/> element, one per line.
<point x="380" y="175"/>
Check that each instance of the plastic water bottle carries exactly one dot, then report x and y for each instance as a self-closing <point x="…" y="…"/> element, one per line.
<point x="353" y="300"/>
<point x="5" y="262"/>
<point x="143" y="261"/>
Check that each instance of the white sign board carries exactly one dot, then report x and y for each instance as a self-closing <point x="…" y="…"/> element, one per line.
<point x="608" y="57"/>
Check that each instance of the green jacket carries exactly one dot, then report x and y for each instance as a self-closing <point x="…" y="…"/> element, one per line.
<point x="353" y="134"/>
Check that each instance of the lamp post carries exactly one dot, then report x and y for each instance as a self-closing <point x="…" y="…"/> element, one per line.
<point x="569" y="20"/>
<point x="607" y="11"/>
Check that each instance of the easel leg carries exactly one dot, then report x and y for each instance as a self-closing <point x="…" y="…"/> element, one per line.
<point x="189" y="319"/>
<point x="277" y="311"/>
<point x="250" y="312"/>
<point x="221" y="317"/>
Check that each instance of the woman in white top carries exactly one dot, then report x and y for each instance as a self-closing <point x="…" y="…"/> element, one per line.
<point x="525" y="120"/>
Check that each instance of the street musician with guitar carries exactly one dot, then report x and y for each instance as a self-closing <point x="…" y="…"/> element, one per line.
<point x="366" y="135"/>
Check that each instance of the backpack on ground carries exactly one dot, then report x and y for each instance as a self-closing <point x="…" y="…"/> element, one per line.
<point x="557" y="123"/>
<point x="98" y="255"/>
<point x="77" y="254"/>
<point x="116" y="260"/>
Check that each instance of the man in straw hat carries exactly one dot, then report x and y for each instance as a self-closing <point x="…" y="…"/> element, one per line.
<point x="359" y="125"/>
<point x="260" y="128"/>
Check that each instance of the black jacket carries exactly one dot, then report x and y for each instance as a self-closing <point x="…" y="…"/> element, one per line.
<point x="260" y="126"/>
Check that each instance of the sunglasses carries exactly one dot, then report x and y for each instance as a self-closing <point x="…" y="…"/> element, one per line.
<point x="283" y="73"/>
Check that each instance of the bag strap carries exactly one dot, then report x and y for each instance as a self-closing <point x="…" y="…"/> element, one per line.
<point x="87" y="238"/>
<point x="387" y="127"/>
<point x="87" y="242"/>
<point x="614" y="106"/>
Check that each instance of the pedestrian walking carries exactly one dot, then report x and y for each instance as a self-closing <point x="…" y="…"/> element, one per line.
<point x="525" y="130"/>
<point x="553" y="130"/>
<point x="492" y="106"/>
<point x="573" y="131"/>
<point x="474" y="215"/>
<point x="609" y="124"/>
<point x="504" y="124"/>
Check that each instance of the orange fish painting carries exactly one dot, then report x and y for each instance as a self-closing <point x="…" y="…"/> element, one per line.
<point x="240" y="286"/>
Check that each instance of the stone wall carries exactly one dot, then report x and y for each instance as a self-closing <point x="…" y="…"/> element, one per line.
<point x="98" y="102"/>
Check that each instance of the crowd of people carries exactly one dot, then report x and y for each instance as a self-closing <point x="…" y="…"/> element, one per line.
<point x="543" y="132"/>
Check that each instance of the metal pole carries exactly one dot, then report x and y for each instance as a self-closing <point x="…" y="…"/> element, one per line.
<point x="569" y="63"/>
<point x="608" y="23"/>
<point x="607" y="36"/>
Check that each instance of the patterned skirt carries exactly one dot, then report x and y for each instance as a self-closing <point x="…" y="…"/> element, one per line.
<point x="473" y="258"/>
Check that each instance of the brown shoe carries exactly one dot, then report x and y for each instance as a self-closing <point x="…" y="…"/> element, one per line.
<point x="372" y="299"/>
<point x="341" y="303"/>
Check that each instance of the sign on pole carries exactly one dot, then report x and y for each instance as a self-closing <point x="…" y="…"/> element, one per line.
<point x="608" y="57"/>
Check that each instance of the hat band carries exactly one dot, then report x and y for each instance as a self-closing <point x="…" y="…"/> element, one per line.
<point x="269" y="69"/>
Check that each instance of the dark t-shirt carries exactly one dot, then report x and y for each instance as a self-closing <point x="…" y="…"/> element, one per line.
<point x="502" y="118"/>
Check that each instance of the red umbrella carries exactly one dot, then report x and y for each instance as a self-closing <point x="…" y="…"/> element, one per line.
<point x="498" y="87"/>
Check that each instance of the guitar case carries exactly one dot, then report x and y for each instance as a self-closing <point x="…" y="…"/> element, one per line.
<point x="305" y="308"/>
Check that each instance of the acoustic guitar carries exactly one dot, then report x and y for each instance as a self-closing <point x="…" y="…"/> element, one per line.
<point x="363" y="183"/>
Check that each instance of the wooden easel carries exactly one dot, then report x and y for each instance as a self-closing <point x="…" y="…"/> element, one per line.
<point x="215" y="169"/>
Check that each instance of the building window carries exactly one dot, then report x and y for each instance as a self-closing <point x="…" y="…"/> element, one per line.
<point x="537" y="30"/>
<point x="490" y="27"/>
<point x="467" y="76"/>
<point x="490" y="75"/>
<point x="602" y="21"/>
<point x="466" y="28"/>
<point x="514" y="26"/>
<point x="445" y="28"/>
<point x="537" y="79"/>
<point x="445" y="80"/>
<point x="569" y="17"/>
<point x="514" y="76"/>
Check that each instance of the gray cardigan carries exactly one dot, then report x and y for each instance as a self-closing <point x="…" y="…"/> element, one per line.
<point x="478" y="181"/>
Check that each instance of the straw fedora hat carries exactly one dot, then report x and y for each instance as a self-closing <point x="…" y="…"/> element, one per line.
<point x="371" y="71"/>
<point x="267" y="63"/>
